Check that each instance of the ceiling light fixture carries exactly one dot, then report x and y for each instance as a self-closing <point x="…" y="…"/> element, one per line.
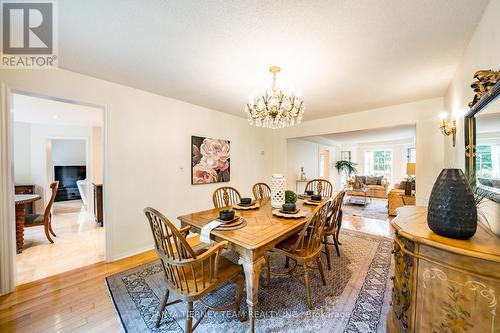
<point x="275" y="109"/>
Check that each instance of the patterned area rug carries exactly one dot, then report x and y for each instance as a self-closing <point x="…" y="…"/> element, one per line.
<point x="376" y="209"/>
<point x="355" y="298"/>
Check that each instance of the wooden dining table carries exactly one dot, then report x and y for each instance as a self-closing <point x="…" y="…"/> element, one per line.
<point x="261" y="233"/>
<point x="21" y="201"/>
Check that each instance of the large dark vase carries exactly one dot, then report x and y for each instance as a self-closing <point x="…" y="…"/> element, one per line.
<point x="452" y="209"/>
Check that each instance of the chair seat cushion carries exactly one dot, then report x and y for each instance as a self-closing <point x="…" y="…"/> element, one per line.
<point x="33" y="219"/>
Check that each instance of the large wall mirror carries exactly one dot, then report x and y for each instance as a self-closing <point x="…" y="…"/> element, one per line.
<point x="482" y="135"/>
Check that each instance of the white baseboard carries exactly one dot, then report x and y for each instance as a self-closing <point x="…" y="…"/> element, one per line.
<point x="131" y="253"/>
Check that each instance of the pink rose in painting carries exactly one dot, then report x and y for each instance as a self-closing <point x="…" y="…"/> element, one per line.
<point x="203" y="174"/>
<point x="215" y="153"/>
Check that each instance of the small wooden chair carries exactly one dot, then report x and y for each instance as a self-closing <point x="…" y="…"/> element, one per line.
<point x="261" y="191"/>
<point x="191" y="274"/>
<point x="304" y="248"/>
<point x="36" y="220"/>
<point x="320" y="186"/>
<point x="332" y="226"/>
<point x="225" y="196"/>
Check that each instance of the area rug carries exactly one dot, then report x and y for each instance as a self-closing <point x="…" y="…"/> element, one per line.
<point x="355" y="298"/>
<point x="376" y="209"/>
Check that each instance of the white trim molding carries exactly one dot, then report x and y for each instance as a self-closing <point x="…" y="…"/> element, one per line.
<point x="7" y="212"/>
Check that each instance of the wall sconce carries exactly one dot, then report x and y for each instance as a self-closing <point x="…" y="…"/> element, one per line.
<point x="446" y="129"/>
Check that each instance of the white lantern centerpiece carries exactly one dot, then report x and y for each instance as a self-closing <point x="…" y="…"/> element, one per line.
<point x="277" y="190"/>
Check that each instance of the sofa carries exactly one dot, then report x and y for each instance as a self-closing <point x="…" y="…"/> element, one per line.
<point x="377" y="186"/>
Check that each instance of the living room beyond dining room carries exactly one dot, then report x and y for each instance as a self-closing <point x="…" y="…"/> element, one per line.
<point x="372" y="166"/>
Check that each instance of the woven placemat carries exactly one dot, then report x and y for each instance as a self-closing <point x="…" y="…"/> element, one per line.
<point x="254" y="206"/>
<point x="236" y="227"/>
<point x="311" y="203"/>
<point x="298" y="215"/>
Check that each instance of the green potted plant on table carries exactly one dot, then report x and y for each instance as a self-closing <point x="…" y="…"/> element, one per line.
<point x="290" y="200"/>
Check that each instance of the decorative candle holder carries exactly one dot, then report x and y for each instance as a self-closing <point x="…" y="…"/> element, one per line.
<point x="277" y="190"/>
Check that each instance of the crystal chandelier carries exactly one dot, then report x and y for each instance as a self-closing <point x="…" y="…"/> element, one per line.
<point x="275" y="109"/>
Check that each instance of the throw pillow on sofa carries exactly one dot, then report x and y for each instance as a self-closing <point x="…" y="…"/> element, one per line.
<point x="361" y="179"/>
<point x="379" y="180"/>
<point x="371" y="180"/>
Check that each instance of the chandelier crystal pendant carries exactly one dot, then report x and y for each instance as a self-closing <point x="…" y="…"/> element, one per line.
<point x="275" y="109"/>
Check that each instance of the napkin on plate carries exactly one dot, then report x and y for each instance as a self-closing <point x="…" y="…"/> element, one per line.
<point x="207" y="229"/>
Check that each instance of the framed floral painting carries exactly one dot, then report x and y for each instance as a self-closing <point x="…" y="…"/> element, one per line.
<point x="210" y="160"/>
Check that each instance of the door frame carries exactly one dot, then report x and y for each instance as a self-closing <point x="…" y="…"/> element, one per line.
<point x="8" y="269"/>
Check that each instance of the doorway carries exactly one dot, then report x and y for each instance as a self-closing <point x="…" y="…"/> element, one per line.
<point x="324" y="164"/>
<point x="57" y="142"/>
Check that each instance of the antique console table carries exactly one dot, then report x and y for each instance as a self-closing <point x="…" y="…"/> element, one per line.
<point x="443" y="284"/>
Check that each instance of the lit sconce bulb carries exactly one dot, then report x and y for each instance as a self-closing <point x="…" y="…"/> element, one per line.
<point x="448" y="129"/>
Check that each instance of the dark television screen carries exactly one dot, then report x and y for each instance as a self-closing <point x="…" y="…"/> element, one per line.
<point x="67" y="175"/>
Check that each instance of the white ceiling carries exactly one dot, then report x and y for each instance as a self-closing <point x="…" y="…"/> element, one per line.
<point x="37" y="110"/>
<point x="344" y="56"/>
<point x="379" y="135"/>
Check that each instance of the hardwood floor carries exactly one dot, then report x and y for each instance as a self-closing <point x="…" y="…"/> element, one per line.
<point x="79" y="242"/>
<point x="78" y="300"/>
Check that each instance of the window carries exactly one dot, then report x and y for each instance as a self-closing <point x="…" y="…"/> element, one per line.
<point x="345" y="156"/>
<point x="484" y="163"/>
<point x="411" y="155"/>
<point x="379" y="163"/>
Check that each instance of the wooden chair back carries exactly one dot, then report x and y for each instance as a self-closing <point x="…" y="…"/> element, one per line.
<point x="320" y="186"/>
<point x="261" y="191"/>
<point x="309" y="239"/>
<point x="225" y="196"/>
<point x="185" y="272"/>
<point x="48" y="208"/>
<point x="335" y="213"/>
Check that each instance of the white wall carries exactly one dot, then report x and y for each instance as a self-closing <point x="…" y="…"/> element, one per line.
<point x="22" y="153"/>
<point x="301" y="153"/>
<point x="69" y="152"/>
<point x="97" y="154"/>
<point x="147" y="145"/>
<point x="423" y="114"/>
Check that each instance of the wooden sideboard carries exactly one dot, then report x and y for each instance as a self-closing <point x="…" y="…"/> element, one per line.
<point x="98" y="204"/>
<point x="443" y="284"/>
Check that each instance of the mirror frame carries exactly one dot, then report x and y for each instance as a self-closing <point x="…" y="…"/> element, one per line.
<point x="470" y="131"/>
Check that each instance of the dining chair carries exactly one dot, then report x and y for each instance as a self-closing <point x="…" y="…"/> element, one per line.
<point x="304" y="248"/>
<point x="190" y="274"/>
<point x="225" y="196"/>
<point x="320" y="186"/>
<point x="332" y="226"/>
<point x="45" y="220"/>
<point x="261" y="191"/>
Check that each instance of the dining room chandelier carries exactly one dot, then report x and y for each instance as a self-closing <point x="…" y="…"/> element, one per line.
<point x="275" y="109"/>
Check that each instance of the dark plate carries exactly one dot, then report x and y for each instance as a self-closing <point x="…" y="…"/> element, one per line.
<point x="235" y="218"/>
<point x="246" y="205"/>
